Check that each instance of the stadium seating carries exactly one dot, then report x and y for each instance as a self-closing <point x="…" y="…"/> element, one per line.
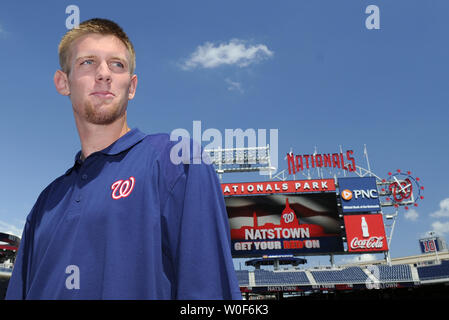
<point x="242" y="277"/>
<point x="434" y="272"/>
<point x="265" y="277"/>
<point x="6" y="270"/>
<point x="347" y="275"/>
<point x="396" y="273"/>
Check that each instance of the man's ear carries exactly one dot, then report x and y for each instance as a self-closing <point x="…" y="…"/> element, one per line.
<point x="61" y="82"/>
<point x="132" y="87"/>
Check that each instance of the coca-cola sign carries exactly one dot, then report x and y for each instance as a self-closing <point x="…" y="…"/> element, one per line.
<point x="365" y="233"/>
<point x="371" y="243"/>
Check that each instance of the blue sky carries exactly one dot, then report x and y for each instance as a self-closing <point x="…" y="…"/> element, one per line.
<point x="310" y="69"/>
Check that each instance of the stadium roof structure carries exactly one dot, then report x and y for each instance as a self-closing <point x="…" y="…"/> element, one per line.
<point x="9" y="245"/>
<point x="245" y="159"/>
<point x="276" y="261"/>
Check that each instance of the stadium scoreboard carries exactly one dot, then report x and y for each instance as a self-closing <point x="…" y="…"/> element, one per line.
<point x="305" y="217"/>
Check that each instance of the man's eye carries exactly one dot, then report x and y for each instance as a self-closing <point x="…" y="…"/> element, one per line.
<point x="118" y="64"/>
<point x="87" y="62"/>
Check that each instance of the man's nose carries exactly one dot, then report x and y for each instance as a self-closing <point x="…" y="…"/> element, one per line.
<point x="103" y="73"/>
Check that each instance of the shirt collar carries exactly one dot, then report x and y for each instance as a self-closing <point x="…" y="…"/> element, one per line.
<point x="123" y="143"/>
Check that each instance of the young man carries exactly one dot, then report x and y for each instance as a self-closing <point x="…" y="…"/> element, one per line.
<point x="124" y="222"/>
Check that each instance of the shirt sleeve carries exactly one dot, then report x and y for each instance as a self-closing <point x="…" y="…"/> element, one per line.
<point x="17" y="286"/>
<point x="198" y="228"/>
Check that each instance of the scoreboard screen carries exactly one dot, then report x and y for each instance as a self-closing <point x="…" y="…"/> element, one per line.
<point x="301" y="223"/>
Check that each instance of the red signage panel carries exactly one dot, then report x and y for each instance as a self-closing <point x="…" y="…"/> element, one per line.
<point x="365" y="233"/>
<point x="270" y="187"/>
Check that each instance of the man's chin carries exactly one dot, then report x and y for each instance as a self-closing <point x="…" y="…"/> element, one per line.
<point x="101" y="120"/>
<point x="103" y="116"/>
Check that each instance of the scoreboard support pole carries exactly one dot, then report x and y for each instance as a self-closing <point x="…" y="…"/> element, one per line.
<point x="390" y="237"/>
<point x="387" y="257"/>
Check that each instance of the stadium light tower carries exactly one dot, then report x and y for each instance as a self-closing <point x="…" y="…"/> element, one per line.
<point x="249" y="159"/>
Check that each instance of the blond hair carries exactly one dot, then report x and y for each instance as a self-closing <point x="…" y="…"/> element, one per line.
<point x="99" y="26"/>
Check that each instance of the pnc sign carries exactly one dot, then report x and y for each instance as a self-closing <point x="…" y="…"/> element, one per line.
<point x="346" y="194"/>
<point x="368" y="194"/>
<point x="359" y="194"/>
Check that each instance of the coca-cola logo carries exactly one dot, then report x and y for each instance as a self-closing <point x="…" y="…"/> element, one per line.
<point x="288" y="217"/>
<point x="371" y="243"/>
<point x="365" y="232"/>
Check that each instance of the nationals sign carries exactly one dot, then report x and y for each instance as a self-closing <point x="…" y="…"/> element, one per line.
<point x="365" y="233"/>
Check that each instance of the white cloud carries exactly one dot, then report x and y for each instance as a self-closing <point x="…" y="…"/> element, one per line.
<point x="234" y="86"/>
<point x="236" y="52"/>
<point x="440" y="227"/>
<point x="444" y="209"/>
<point x="3" y="32"/>
<point x="411" y="214"/>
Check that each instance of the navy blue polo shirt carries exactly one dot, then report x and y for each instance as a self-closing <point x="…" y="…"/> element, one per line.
<point x="127" y="223"/>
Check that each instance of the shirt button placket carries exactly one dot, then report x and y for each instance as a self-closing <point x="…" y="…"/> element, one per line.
<point x="78" y="196"/>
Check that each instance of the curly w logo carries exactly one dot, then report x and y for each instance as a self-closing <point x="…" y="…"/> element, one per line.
<point x="122" y="188"/>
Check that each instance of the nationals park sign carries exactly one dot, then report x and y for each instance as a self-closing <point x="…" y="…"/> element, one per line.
<point x="267" y="187"/>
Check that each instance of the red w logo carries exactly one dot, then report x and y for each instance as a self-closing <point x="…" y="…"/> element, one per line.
<point x="122" y="188"/>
